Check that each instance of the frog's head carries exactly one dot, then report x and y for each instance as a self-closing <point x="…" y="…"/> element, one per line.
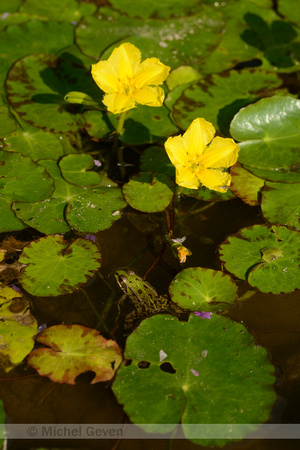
<point x="122" y="277"/>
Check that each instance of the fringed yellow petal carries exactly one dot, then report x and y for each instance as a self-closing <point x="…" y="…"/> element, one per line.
<point x="151" y="72"/>
<point x="118" y="102"/>
<point x="214" y="179"/>
<point x="222" y="152"/>
<point x="186" y="178"/>
<point x="125" y="60"/>
<point x="175" y="148"/>
<point x="197" y="136"/>
<point x="150" y="96"/>
<point x="105" y="77"/>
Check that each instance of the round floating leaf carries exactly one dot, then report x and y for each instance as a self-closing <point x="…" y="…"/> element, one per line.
<point x="75" y="349"/>
<point x="199" y="289"/>
<point x="149" y="192"/>
<point x="174" y="42"/>
<point x="15" y="182"/>
<point x="68" y="10"/>
<point x="266" y="257"/>
<point x="218" y="375"/>
<point x="85" y="209"/>
<point x="280" y="204"/>
<point x="74" y="169"/>
<point x="245" y="185"/>
<point x="17" y="328"/>
<point x="219" y="97"/>
<point x="270" y="132"/>
<point x="95" y="210"/>
<point x="32" y="37"/>
<point x="55" y="267"/>
<point x="8" y="220"/>
<point x="36" y="143"/>
<point x="36" y="87"/>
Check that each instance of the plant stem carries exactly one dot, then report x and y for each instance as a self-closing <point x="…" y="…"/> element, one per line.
<point x="116" y="147"/>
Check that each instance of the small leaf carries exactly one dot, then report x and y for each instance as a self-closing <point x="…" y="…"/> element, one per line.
<point x="55" y="267"/>
<point x="200" y="289"/>
<point x="74" y="169"/>
<point x="149" y="192"/>
<point x="75" y="349"/>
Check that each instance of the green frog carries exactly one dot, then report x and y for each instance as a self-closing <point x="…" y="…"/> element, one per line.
<point x="142" y="295"/>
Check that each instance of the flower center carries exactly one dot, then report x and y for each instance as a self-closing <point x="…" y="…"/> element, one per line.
<point x="127" y="87"/>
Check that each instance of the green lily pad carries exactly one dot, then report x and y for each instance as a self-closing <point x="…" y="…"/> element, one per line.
<point x="36" y="87"/>
<point x="269" y="133"/>
<point x="245" y="185"/>
<point x="75" y="170"/>
<point x="55" y="267"/>
<point x="17" y="328"/>
<point x="266" y="257"/>
<point x="280" y="204"/>
<point x="36" y="143"/>
<point x="193" y="392"/>
<point x="15" y="183"/>
<point x="177" y="41"/>
<point x="149" y="192"/>
<point x="72" y="350"/>
<point x="32" y="37"/>
<point x="87" y="209"/>
<point x="7" y="122"/>
<point x="199" y="289"/>
<point x="9" y="221"/>
<point x="67" y="11"/>
<point x="219" y="97"/>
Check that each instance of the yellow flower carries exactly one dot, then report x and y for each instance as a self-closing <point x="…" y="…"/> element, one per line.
<point x="128" y="81"/>
<point x="199" y="158"/>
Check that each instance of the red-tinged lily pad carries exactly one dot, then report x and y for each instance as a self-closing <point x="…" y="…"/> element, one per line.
<point x="245" y="185"/>
<point x="73" y="350"/>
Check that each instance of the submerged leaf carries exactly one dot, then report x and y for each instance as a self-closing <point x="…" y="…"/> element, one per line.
<point x="17" y="328"/>
<point x="73" y="350"/>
